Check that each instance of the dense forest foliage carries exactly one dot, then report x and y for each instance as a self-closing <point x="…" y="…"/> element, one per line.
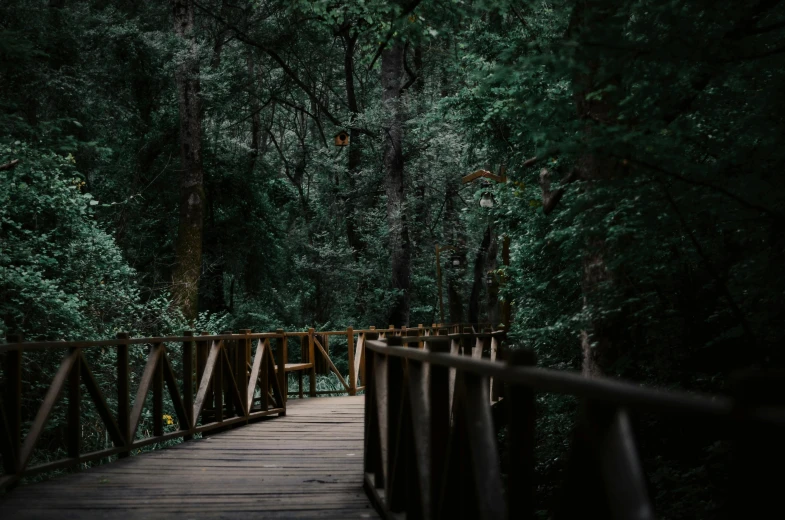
<point x="175" y="165"/>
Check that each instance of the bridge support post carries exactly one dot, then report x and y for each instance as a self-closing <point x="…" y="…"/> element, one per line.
<point x="350" y="358"/>
<point x="520" y="442"/>
<point x="281" y="358"/>
<point x="123" y="397"/>
<point x="188" y="382"/>
<point x="312" y="361"/>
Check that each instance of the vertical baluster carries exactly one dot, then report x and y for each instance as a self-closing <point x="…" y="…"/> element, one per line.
<point x="228" y="364"/>
<point x="74" y="431"/>
<point x="439" y="397"/>
<point x="758" y="451"/>
<point x="312" y="360"/>
<point x="415" y="436"/>
<point x="264" y="380"/>
<point x="218" y="385"/>
<point x="241" y="372"/>
<point x="350" y="357"/>
<point x="13" y="402"/>
<point x="372" y="457"/>
<point x="188" y="382"/>
<point x="281" y="358"/>
<point x="396" y="430"/>
<point x="520" y="442"/>
<point x="123" y="393"/>
<point x="158" y="389"/>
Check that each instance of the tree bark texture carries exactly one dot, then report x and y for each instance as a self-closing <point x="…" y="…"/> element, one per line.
<point x="484" y="261"/>
<point x="187" y="271"/>
<point x="400" y="247"/>
<point x="355" y="151"/>
<point x="452" y="233"/>
<point x="598" y="343"/>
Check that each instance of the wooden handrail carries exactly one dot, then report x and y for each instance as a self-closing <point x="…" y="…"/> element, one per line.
<point x="431" y="445"/>
<point x="216" y="388"/>
<point x="225" y="383"/>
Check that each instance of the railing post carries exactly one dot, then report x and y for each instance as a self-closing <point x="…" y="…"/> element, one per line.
<point x="74" y="429"/>
<point x="372" y="456"/>
<point x="282" y="355"/>
<point x="312" y="361"/>
<point x="123" y="394"/>
<point x="241" y="374"/>
<point x="520" y="442"/>
<point x="397" y="440"/>
<point x="218" y="383"/>
<point x="264" y="371"/>
<point x="228" y="364"/>
<point x="202" y="351"/>
<point x="439" y="397"/>
<point x="188" y="382"/>
<point x="350" y="352"/>
<point x="158" y="392"/>
<point x="757" y="450"/>
<point x="13" y="404"/>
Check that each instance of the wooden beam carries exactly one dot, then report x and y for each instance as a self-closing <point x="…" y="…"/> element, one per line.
<point x="46" y="407"/>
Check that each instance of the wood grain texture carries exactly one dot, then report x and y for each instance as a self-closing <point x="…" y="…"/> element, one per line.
<point x="307" y="464"/>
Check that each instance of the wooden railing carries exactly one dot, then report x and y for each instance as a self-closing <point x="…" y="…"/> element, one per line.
<point x="220" y="386"/>
<point x="431" y="434"/>
<point x="214" y="382"/>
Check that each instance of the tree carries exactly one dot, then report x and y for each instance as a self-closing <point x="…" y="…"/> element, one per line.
<point x="187" y="272"/>
<point x="397" y="222"/>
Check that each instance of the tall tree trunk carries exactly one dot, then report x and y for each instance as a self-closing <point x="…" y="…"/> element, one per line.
<point x="451" y="230"/>
<point x="185" y="279"/>
<point x="256" y="118"/>
<point x="400" y="248"/>
<point x="220" y="37"/>
<point x="599" y="348"/>
<point x="355" y="150"/>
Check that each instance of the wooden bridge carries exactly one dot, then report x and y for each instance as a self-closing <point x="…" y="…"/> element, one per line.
<point x="421" y="442"/>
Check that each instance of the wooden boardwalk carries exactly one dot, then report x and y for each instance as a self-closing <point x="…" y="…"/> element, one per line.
<point x="305" y="465"/>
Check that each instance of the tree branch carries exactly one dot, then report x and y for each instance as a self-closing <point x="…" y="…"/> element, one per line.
<point x="9" y="166"/>
<point x="550" y="198"/>
<point x="406" y="10"/>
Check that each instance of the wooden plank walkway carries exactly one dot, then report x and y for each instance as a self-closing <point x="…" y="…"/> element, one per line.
<point x="305" y="465"/>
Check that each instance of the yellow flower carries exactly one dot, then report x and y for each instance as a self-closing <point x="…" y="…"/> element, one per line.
<point x="168" y="419"/>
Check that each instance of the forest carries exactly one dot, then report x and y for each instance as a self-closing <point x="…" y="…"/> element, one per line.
<point x="216" y="165"/>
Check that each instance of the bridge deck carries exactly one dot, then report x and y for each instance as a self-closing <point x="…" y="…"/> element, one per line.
<point x="305" y="465"/>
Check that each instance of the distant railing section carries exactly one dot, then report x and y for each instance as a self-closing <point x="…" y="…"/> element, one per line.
<point x="432" y="422"/>
<point x="214" y="382"/>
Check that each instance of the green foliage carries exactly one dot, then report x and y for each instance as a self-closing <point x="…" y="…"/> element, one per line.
<point x="685" y="213"/>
